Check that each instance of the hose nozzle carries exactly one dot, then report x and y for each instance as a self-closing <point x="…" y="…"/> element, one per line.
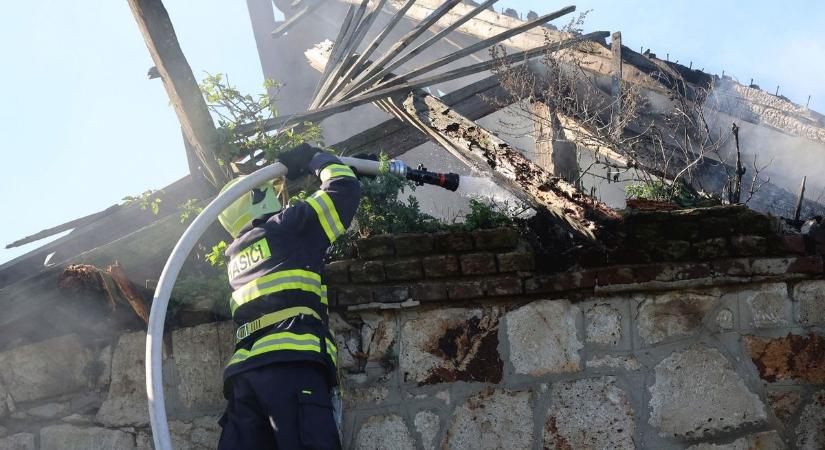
<point x="422" y="176"/>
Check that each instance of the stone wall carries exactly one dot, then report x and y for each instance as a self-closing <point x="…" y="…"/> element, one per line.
<point x="455" y="340"/>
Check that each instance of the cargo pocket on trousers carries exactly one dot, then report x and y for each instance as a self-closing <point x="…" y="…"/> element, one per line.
<point x="316" y="421"/>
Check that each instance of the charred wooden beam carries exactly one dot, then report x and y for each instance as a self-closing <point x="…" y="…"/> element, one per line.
<point x="180" y="84"/>
<point x="487" y="153"/>
<point x="70" y="225"/>
<point x="286" y="25"/>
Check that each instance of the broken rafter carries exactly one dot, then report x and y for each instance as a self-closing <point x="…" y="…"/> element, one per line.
<point x="180" y="84"/>
<point x="286" y="122"/>
<point x="64" y="227"/>
<point x="330" y="83"/>
<point x="469" y="50"/>
<point x="490" y="154"/>
<point x="366" y="76"/>
<point x="335" y="51"/>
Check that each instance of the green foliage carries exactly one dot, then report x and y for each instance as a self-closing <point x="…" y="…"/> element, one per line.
<point x="487" y="215"/>
<point x="232" y="108"/>
<point x="147" y="200"/>
<point x="658" y="190"/>
<point x="217" y="257"/>
<point x="382" y="211"/>
<point x="189" y="210"/>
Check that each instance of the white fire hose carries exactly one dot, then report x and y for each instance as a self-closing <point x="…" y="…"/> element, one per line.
<point x="157" y="316"/>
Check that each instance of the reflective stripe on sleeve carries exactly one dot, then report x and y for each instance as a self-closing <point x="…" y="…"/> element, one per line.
<point x="299" y="279"/>
<point x="327" y="215"/>
<point x="336" y="170"/>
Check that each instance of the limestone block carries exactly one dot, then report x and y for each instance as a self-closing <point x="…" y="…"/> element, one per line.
<point x="810" y="298"/>
<point x="769" y="440"/>
<point x="46" y="369"/>
<point x="49" y="410"/>
<point x="206" y="432"/>
<point x="378" y="333"/>
<point x="126" y="402"/>
<point x="383" y="432"/>
<point x="725" y="320"/>
<point x="20" y="441"/>
<point x="493" y="419"/>
<point x="6" y="402"/>
<point x="792" y="357"/>
<point x="785" y="402"/>
<point x="768" y="305"/>
<point x="697" y="393"/>
<point x="672" y="315"/>
<point x="625" y="362"/>
<point x="199" y="361"/>
<point x="603" y="324"/>
<point x="447" y="345"/>
<point x="70" y="437"/>
<point x="543" y="338"/>
<point x="810" y="433"/>
<point x="591" y="413"/>
<point x="427" y="424"/>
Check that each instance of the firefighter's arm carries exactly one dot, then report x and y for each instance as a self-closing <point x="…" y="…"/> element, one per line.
<point x="333" y="206"/>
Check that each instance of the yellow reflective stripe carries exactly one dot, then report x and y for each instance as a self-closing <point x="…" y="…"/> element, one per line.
<point x="299" y="279"/>
<point x="327" y="215"/>
<point x="283" y="341"/>
<point x="336" y="170"/>
<point x="271" y="319"/>
<point x="336" y="220"/>
<point x="324" y="297"/>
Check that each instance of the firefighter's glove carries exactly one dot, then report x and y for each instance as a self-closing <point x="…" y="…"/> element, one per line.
<point x="297" y="160"/>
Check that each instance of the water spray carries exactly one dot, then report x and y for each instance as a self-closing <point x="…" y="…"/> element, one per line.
<point x="190" y="237"/>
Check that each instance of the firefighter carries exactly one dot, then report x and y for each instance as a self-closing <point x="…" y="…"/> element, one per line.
<point x="279" y="380"/>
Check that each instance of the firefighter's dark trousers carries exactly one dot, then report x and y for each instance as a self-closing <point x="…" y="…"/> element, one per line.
<point x="281" y="406"/>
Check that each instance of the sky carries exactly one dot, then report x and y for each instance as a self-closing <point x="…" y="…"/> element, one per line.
<point x="83" y="127"/>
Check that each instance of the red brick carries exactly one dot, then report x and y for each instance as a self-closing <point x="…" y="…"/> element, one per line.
<point x="496" y="238"/>
<point x="478" y="264"/>
<point x="367" y="272"/>
<point x="739" y="267"/>
<point x="806" y="264"/>
<point x="413" y="244"/>
<point x="565" y="281"/>
<point x="429" y="292"/>
<point x="347" y="296"/>
<point x="516" y="261"/>
<point x="441" y="266"/>
<point x="615" y="275"/>
<point x="794" y="243"/>
<point x="391" y="294"/>
<point x="461" y="290"/>
<point x="749" y="245"/>
<point x="509" y="285"/>
<point x="337" y="272"/>
<point x="375" y="247"/>
<point x="403" y="269"/>
<point x="453" y="241"/>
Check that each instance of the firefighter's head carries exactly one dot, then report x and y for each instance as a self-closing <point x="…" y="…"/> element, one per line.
<point x="260" y="201"/>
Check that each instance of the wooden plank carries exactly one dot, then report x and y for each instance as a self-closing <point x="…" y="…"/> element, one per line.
<point x="616" y="84"/>
<point x="366" y="77"/>
<point x="285" y="122"/>
<point x="335" y="81"/>
<point x="77" y="223"/>
<point x="181" y="86"/>
<point x="360" y="63"/>
<point x="336" y="49"/>
<point x="510" y="168"/>
<point x="469" y="50"/>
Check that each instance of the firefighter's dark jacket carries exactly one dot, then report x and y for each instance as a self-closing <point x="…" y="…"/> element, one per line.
<point x="279" y="301"/>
